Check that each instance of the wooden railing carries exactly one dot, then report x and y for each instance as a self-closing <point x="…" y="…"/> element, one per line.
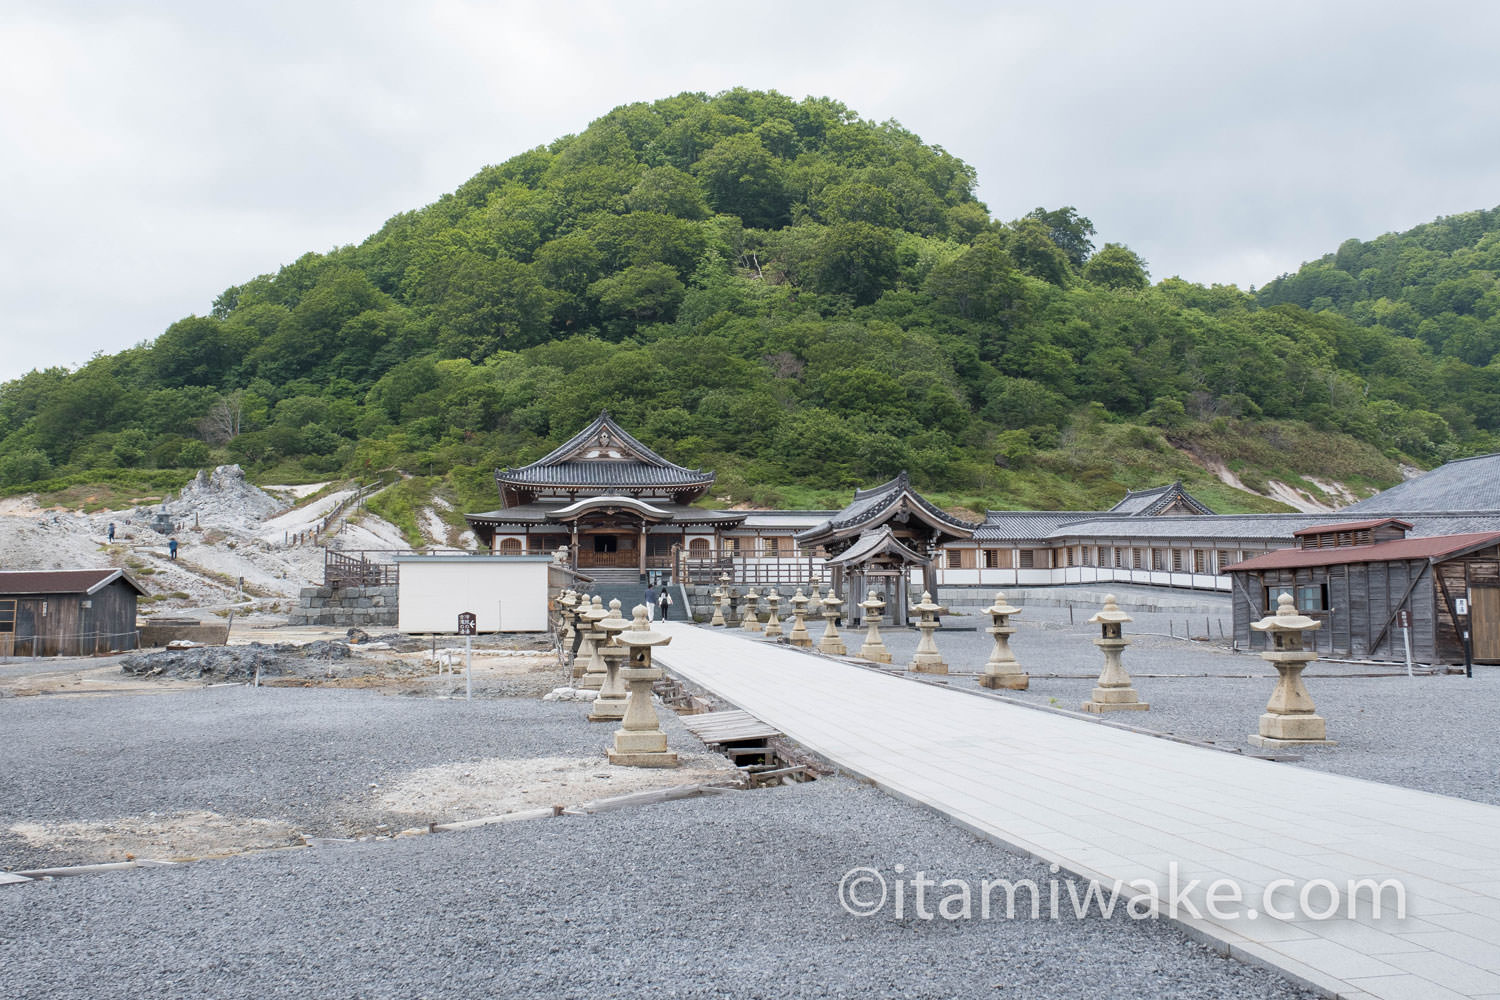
<point x="340" y="570"/>
<point x="756" y="570"/>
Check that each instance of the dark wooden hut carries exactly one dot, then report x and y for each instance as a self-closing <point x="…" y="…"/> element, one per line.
<point x="1357" y="577"/>
<point x="67" y="612"/>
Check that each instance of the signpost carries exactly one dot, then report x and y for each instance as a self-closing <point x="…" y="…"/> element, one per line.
<point x="1403" y="618"/>
<point x="1461" y="610"/>
<point x="468" y="627"/>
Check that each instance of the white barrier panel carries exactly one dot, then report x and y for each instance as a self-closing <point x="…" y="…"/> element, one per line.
<point x="507" y="593"/>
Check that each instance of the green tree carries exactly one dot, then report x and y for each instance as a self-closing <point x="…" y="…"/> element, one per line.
<point x="1116" y="266"/>
<point x="741" y="177"/>
<point x="858" y="260"/>
<point x="1068" y="230"/>
<point x="645" y="293"/>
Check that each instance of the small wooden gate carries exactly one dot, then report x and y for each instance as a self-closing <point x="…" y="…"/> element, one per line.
<point x="1484" y="622"/>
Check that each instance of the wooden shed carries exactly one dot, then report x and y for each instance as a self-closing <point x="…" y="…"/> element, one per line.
<point x="1357" y="577"/>
<point x="67" y="612"/>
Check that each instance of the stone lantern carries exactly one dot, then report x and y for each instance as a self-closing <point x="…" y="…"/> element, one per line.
<point x="832" y="642"/>
<point x="1114" y="692"/>
<point x="799" y="636"/>
<point x="567" y="604"/>
<point x="750" y="622"/>
<point x="639" y="742"/>
<point x="719" y="597"/>
<point x="874" y="646"/>
<point x="773" y="614"/>
<point x="927" y="659"/>
<point x="609" y="706"/>
<point x="593" y="671"/>
<point x="583" y="645"/>
<point x="1291" y="718"/>
<point x="1001" y="670"/>
<point x="733" y="611"/>
<point x="816" y="598"/>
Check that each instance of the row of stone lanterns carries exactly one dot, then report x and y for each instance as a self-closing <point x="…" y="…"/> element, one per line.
<point x="612" y="655"/>
<point x="1290" y="718"/>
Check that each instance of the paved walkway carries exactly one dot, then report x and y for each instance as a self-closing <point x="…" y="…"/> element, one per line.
<point x="1108" y="804"/>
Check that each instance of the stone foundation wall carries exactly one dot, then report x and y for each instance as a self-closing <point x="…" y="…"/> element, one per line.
<point x="345" y="607"/>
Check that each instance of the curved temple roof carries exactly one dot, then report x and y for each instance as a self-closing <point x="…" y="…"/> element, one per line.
<point x="875" y="505"/>
<point x="601" y="458"/>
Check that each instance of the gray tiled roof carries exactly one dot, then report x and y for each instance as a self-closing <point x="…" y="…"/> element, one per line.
<point x="644" y="467"/>
<point x="1027" y="525"/>
<point x="601" y="474"/>
<point x="1468" y="484"/>
<point x="1197" y="527"/>
<point x="541" y="513"/>
<point x="1153" y="500"/>
<point x="867" y="504"/>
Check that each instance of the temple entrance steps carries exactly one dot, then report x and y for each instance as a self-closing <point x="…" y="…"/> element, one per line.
<point x="625" y="585"/>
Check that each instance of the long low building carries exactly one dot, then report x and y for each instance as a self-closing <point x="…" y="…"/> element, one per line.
<point x="617" y="505"/>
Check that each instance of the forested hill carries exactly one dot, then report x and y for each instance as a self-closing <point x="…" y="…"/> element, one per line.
<point x="778" y="290"/>
<point x="1437" y="284"/>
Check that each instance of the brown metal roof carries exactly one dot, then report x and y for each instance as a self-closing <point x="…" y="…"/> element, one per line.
<point x="1323" y="529"/>
<point x="1434" y="548"/>
<point x="61" y="581"/>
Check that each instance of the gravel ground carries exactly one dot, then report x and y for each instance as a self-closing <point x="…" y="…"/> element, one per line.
<point x="730" y="896"/>
<point x="1434" y="733"/>
<point x="316" y="760"/>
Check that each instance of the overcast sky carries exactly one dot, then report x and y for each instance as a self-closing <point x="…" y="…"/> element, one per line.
<point x="152" y="154"/>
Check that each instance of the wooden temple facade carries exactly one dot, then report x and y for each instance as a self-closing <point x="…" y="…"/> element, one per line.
<point x="609" y="499"/>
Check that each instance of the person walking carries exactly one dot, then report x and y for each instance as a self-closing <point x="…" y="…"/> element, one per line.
<point x="172" y="548"/>
<point x="111" y="531"/>
<point x="650" y="604"/>
<point x="664" y="602"/>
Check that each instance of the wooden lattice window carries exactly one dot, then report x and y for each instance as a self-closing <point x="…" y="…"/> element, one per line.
<point x="7" y="616"/>
<point x="698" y="548"/>
<point x="510" y="546"/>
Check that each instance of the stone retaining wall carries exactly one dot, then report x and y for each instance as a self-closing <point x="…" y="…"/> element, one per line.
<point x="345" y="607"/>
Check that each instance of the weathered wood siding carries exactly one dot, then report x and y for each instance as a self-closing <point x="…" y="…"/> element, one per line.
<point x="1363" y="599"/>
<point x="1456" y="578"/>
<point x="59" y="625"/>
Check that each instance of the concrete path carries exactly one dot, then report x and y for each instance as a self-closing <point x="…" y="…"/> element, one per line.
<point x="1112" y="805"/>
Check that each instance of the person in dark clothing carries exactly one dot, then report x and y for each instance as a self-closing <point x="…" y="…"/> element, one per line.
<point x="172" y="548"/>
<point x="111" y="531"/>
<point x="664" y="602"/>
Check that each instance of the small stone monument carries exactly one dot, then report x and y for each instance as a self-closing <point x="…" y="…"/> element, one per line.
<point x="719" y="597"/>
<point x="927" y="659"/>
<point x="639" y="742"/>
<point x="1291" y="718"/>
<point x="832" y="642"/>
<point x="583" y="645"/>
<point x="733" y="611"/>
<point x="1001" y="670"/>
<point x="609" y="706"/>
<point x="799" y="636"/>
<point x="750" y="621"/>
<point x="816" y="598"/>
<point x="567" y="603"/>
<point x="593" y="671"/>
<point x="1114" y="692"/>
<point x="874" y="646"/>
<point x="773" y="614"/>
